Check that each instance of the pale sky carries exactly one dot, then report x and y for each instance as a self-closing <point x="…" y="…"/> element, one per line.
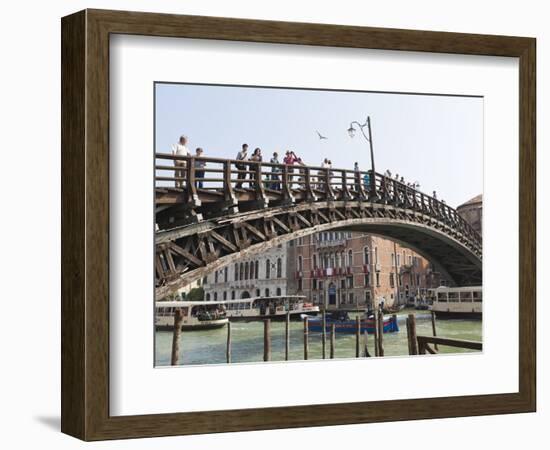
<point x="435" y="140"/>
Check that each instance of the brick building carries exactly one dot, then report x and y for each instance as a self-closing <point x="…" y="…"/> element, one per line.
<point x="472" y="212"/>
<point x="344" y="270"/>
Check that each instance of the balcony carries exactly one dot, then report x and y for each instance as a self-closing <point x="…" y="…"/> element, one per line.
<point x="331" y="243"/>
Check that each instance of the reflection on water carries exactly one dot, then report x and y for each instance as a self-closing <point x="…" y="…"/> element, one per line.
<point x="208" y="346"/>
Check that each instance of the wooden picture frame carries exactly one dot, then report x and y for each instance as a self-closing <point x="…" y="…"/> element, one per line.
<point x="85" y="224"/>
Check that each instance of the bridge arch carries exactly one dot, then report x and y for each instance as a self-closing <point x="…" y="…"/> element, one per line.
<point x="203" y="230"/>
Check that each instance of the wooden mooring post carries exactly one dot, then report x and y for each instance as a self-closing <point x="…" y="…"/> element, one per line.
<point x="228" y="347"/>
<point x="357" y="337"/>
<point x="380" y="326"/>
<point x="176" y="337"/>
<point x="332" y="340"/>
<point x="434" y="330"/>
<point x="376" y="333"/>
<point x="267" y="340"/>
<point x="367" y="354"/>
<point x="411" y="334"/>
<point x="287" y="336"/>
<point x="306" y="339"/>
<point x="324" y="335"/>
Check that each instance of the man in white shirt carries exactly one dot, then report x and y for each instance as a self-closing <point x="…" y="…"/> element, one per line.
<point x="180" y="149"/>
<point x="241" y="156"/>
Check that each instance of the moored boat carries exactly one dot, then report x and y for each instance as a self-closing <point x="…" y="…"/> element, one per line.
<point x="458" y="302"/>
<point x="344" y="324"/>
<point x="273" y="307"/>
<point x="196" y="315"/>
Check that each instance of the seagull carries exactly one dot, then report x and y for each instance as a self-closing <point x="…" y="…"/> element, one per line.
<point x="321" y="136"/>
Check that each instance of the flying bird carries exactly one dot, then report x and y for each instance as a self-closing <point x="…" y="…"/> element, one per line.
<point x="320" y="135"/>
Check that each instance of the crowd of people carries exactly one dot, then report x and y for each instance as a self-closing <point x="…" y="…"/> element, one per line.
<point x="273" y="180"/>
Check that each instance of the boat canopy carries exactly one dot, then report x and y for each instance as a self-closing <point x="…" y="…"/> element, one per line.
<point x="182" y="304"/>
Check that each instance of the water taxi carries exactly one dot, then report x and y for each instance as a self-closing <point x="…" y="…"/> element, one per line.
<point x="273" y="307"/>
<point x="196" y="315"/>
<point x="458" y="302"/>
<point x="344" y="324"/>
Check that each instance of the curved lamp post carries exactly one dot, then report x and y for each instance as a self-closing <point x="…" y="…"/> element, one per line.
<point x="352" y="131"/>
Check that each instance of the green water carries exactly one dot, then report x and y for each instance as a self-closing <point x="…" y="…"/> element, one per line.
<point x="208" y="346"/>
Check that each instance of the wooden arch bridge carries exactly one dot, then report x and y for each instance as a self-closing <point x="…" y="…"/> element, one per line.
<point x="210" y="210"/>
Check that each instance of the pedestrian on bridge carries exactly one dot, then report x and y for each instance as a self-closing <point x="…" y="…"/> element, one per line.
<point x="241" y="175"/>
<point x="256" y="157"/>
<point x="180" y="149"/>
<point x="275" y="185"/>
<point x="199" y="168"/>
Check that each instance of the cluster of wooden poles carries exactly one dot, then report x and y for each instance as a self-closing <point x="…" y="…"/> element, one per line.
<point x="416" y="344"/>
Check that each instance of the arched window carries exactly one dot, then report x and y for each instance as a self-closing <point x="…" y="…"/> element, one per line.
<point x="257" y="268"/>
<point x="366" y="255"/>
<point x="241" y="271"/>
<point x="215" y="296"/>
<point x="216" y="276"/>
<point x="232" y="295"/>
<point x="350" y="258"/>
<point x="338" y="260"/>
<point x="268" y="269"/>
<point x="332" y="262"/>
<point x="300" y="263"/>
<point x="258" y="293"/>
<point x="236" y="271"/>
<point x="278" y="291"/>
<point x="208" y="297"/>
<point x="246" y="270"/>
<point x="267" y="292"/>
<point x="225" y="295"/>
<point x="279" y="268"/>
<point x="225" y="274"/>
<point x="315" y="261"/>
<point x="251" y="270"/>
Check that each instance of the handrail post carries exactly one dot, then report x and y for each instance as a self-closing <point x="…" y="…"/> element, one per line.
<point x="396" y="193"/>
<point x="228" y="193"/>
<point x="192" y="195"/>
<point x="361" y="194"/>
<point x="346" y="195"/>
<point x="286" y="191"/>
<point x="310" y="195"/>
<point x="259" y="188"/>
<point x="328" y="186"/>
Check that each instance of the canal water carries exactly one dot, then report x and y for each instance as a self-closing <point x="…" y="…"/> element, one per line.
<point x="208" y="346"/>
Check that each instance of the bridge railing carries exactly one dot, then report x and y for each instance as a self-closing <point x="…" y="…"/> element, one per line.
<point x="229" y="180"/>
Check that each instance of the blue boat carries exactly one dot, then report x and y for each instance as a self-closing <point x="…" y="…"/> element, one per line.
<point x="343" y="323"/>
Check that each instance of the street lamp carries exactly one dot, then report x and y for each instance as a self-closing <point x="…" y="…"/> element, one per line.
<point x="351" y="132"/>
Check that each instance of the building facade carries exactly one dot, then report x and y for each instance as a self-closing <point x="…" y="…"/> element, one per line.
<point x="472" y="212"/>
<point x="261" y="275"/>
<point x="345" y="270"/>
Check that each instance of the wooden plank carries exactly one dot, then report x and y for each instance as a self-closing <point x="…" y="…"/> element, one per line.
<point x="254" y="231"/>
<point x="176" y="337"/>
<point x="177" y="249"/>
<point x="306" y="339"/>
<point x="280" y="224"/>
<point x="332" y="340"/>
<point x="434" y="331"/>
<point x="228" y="344"/>
<point x="218" y="237"/>
<point x="287" y="336"/>
<point x="357" y="337"/>
<point x="458" y="343"/>
<point x="267" y="340"/>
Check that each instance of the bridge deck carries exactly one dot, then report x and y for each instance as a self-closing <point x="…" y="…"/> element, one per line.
<point x="276" y="199"/>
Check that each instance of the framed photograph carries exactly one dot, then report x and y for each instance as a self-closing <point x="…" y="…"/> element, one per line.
<point x="273" y="225"/>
